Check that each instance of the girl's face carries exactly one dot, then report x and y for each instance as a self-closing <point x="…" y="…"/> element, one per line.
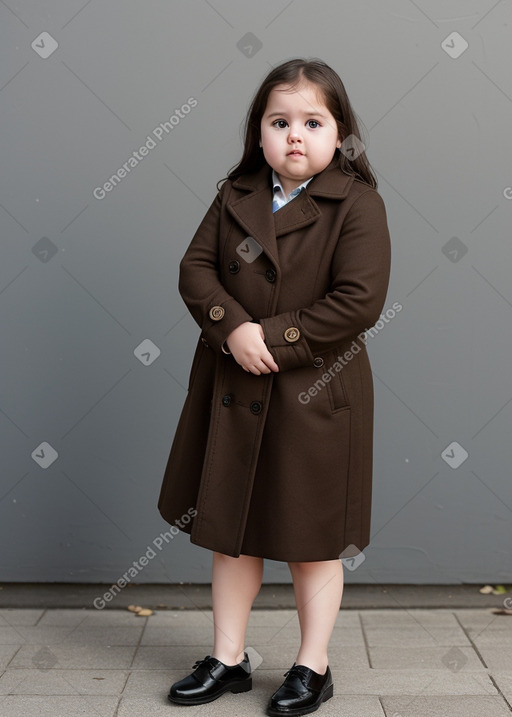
<point x="298" y="134"/>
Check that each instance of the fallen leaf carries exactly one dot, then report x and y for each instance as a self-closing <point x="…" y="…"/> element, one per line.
<point x="499" y="590"/>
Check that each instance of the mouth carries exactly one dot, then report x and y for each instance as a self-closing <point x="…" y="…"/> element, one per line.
<point x="296" y="152"/>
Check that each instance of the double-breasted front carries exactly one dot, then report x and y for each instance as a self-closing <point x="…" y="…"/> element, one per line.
<point x="280" y="465"/>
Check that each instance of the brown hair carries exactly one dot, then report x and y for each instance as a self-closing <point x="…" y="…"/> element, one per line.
<point x="292" y="73"/>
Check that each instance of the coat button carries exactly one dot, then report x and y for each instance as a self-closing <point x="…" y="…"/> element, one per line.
<point x="270" y="275"/>
<point x="256" y="407"/>
<point x="216" y="313"/>
<point x="226" y="400"/>
<point x="318" y="362"/>
<point x="234" y="266"/>
<point x="292" y="334"/>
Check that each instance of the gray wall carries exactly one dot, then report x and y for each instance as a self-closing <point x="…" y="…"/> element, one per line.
<point x="96" y="342"/>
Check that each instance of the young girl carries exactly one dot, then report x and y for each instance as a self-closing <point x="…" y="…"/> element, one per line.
<point x="272" y="456"/>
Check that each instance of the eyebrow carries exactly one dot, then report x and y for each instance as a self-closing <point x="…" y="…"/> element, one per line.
<point x="309" y="114"/>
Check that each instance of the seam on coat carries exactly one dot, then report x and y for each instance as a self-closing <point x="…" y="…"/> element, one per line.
<point x="252" y="471"/>
<point x="361" y="450"/>
<point x="271" y="297"/>
<point x="266" y="398"/>
<point x="213" y="447"/>
<point x="222" y="248"/>
<point x="349" y="473"/>
<point x="357" y="198"/>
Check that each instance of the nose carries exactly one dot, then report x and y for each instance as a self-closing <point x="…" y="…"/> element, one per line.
<point x="294" y="135"/>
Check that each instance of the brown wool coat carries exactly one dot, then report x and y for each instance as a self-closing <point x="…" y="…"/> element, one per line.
<point x="280" y="465"/>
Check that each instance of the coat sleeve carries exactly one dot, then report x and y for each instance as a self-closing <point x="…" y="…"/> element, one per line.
<point x="360" y="276"/>
<point x="215" y="311"/>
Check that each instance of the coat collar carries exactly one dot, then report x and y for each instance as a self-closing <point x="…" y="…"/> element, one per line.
<point x="253" y="211"/>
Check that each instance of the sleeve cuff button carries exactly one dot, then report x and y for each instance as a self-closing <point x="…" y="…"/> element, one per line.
<point x="216" y="313"/>
<point x="292" y="334"/>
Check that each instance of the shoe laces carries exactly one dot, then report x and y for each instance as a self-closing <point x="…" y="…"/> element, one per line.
<point x="201" y="662"/>
<point x="297" y="672"/>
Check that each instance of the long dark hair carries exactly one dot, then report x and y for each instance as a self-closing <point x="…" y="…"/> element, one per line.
<point x="336" y="100"/>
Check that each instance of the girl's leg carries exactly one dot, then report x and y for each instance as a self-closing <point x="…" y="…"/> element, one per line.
<point x="318" y="590"/>
<point x="235" y="584"/>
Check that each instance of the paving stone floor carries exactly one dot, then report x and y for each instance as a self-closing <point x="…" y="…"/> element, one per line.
<point x="385" y="662"/>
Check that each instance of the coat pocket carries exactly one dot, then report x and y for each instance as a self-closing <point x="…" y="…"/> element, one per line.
<point x="336" y="386"/>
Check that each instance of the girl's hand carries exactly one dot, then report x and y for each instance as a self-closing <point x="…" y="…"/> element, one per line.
<point x="248" y="347"/>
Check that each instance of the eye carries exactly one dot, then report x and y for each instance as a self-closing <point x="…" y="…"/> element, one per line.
<point x="278" y="121"/>
<point x="315" y="122"/>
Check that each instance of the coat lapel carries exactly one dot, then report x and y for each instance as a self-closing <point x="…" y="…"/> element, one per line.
<point x="253" y="210"/>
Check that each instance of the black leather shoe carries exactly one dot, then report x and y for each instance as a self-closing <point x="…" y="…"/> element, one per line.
<point x="210" y="680"/>
<point x="302" y="692"/>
